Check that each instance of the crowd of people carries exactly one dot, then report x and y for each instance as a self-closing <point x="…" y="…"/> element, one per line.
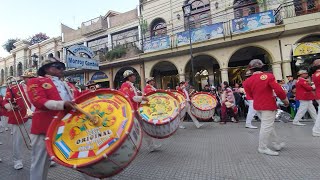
<point x="259" y="95"/>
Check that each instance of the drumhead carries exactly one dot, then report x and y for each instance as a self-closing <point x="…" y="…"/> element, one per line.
<point x="204" y="101"/>
<point x="76" y="142"/>
<point x="162" y="108"/>
<point x="181" y="98"/>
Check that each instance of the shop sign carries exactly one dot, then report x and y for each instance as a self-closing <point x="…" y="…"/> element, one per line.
<point x="306" y="48"/>
<point x="82" y="63"/>
<point x="156" y="44"/>
<point x="253" y="22"/>
<point x="200" y="34"/>
<point x="77" y="50"/>
<point x="77" y="78"/>
<point x="99" y="77"/>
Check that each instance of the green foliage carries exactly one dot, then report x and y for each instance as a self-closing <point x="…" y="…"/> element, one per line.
<point x="8" y="45"/>
<point x="117" y="52"/>
<point x="38" y="38"/>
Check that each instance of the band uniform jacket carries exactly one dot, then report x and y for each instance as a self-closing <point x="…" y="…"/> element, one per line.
<point x="128" y="89"/>
<point x="14" y="95"/>
<point x="45" y="97"/>
<point x="261" y="87"/>
<point x="248" y="97"/>
<point x="316" y="80"/>
<point x="304" y="90"/>
<point x="149" y="89"/>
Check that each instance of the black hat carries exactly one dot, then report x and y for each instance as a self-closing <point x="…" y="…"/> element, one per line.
<point x="47" y="63"/>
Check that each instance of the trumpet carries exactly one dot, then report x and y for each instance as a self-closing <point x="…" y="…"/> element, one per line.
<point x="16" y="111"/>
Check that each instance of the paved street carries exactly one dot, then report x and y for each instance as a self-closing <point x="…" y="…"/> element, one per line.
<point x="213" y="152"/>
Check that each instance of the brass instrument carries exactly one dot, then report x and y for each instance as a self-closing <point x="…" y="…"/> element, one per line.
<point x="16" y="111"/>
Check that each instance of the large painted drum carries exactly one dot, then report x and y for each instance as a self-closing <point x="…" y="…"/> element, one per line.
<point x="160" y="116"/>
<point x="203" y="105"/>
<point x="100" y="148"/>
<point x="183" y="103"/>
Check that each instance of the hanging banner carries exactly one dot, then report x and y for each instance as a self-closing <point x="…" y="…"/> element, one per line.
<point x="253" y="22"/>
<point x="78" y="49"/>
<point x="306" y="48"/>
<point x="82" y="63"/>
<point x="200" y="34"/>
<point x="156" y="44"/>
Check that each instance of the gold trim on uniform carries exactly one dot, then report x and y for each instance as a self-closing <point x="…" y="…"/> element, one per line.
<point x="263" y="77"/>
<point x="47" y="86"/>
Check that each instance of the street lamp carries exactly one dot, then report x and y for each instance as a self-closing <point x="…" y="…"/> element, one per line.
<point x="35" y="60"/>
<point x="187" y="13"/>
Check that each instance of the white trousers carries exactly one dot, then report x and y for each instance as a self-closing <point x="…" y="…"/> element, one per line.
<point x="4" y="121"/>
<point x="149" y="140"/>
<point x="251" y="113"/>
<point x="303" y="108"/>
<point x="40" y="162"/>
<point x="194" y="119"/>
<point x="267" y="131"/>
<point x="18" y="142"/>
<point x="316" y="127"/>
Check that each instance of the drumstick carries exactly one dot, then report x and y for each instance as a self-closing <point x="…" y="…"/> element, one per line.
<point x="92" y="119"/>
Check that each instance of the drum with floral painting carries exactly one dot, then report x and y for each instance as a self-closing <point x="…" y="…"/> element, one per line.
<point x="182" y="100"/>
<point x="160" y="116"/>
<point x="101" y="149"/>
<point x="203" y="105"/>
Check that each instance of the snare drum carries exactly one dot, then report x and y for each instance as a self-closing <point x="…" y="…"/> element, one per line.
<point x="160" y="116"/>
<point x="203" y="105"/>
<point x="99" y="150"/>
<point x="182" y="100"/>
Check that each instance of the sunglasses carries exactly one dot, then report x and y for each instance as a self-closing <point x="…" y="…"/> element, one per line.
<point x="59" y="66"/>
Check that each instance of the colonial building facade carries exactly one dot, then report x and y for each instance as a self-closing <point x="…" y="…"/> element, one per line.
<point x="202" y="41"/>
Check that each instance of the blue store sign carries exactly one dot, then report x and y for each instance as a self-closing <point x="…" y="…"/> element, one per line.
<point x="99" y="77"/>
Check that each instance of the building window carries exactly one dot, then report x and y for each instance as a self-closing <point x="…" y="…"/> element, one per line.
<point x="200" y="13"/>
<point x="245" y="7"/>
<point x="158" y="28"/>
<point x="100" y="44"/>
<point x="19" y="69"/>
<point x="126" y="37"/>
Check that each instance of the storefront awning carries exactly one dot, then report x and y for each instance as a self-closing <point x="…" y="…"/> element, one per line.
<point x="307" y="48"/>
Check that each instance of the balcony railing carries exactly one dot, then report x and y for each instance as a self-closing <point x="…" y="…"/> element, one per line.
<point x="296" y="8"/>
<point x="94" y="25"/>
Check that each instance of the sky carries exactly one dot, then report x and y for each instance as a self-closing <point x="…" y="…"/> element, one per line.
<point x="24" y="18"/>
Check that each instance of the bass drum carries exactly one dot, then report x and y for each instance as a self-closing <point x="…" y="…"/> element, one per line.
<point x="203" y="105"/>
<point x="102" y="149"/>
<point x="160" y="116"/>
<point x="183" y="103"/>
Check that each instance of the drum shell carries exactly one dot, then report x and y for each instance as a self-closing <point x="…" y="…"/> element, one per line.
<point x="202" y="114"/>
<point x="161" y="131"/>
<point x="120" y="158"/>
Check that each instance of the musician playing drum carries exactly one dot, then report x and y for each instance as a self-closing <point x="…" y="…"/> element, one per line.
<point x="182" y="88"/>
<point x="150" y="85"/>
<point x="130" y="90"/>
<point x="17" y="114"/>
<point x="50" y="95"/>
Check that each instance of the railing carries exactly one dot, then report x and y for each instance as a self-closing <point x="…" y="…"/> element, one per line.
<point x="296" y="8"/>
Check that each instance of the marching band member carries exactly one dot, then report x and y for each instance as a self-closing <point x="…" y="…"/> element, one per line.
<point x="14" y="103"/>
<point x="150" y="85"/>
<point x="261" y="86"/>
<point x="50" y="95"/>
<point x="251" y="111"/>
<point x="91" y="86"/>
<point x="228" y="104"/>
<point x="128" y="88"/>
<point x="182" y="88"/>
<point x="316" y="80"/>
<point x="305" y="95"/>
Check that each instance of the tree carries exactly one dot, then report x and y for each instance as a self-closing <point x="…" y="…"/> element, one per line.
<point x="38" y="38"/>
<point x="8" y="45"/>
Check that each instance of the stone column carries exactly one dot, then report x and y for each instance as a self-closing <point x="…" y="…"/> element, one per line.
<point x="211" y="79"/>
<point x="110" y="74"/>
<point x="143" y="79"/>
<point x="224" y="74"/>
<point x="276" y="69"/>
<point x="286" y="68"/>
<point x="182" y="77"/>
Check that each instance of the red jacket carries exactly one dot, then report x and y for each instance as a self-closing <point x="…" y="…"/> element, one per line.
<point x="43" y="94"/>
<point x="15" y="95"/>
<point x="304" y="90"/>
<point x="260" y="86"/>
<point x="148" y="89"/>
<point x="248" y="97"/>
<point x="316" y="80"/>
<point x="128" y="89"/>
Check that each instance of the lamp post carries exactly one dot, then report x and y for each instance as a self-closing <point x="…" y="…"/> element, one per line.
<point x="187" y="13"/>
<point x="35" y="61"/>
